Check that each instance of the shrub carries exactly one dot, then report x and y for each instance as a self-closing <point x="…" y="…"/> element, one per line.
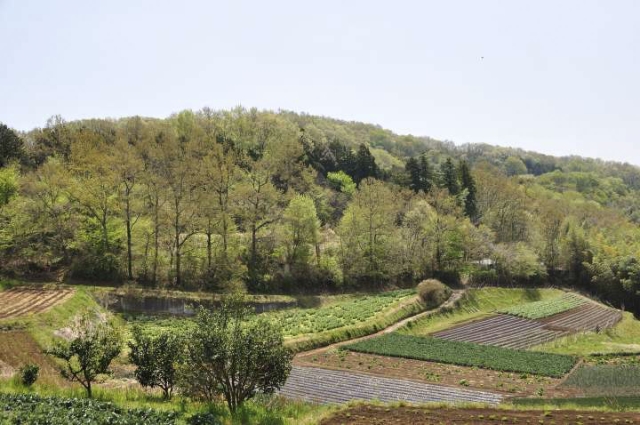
<point x="29" y="374"/>
<point x="433" y="292"/>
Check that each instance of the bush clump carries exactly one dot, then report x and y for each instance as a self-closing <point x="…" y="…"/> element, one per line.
<point x="433" y="292"/>
<point x="29" y="374"/>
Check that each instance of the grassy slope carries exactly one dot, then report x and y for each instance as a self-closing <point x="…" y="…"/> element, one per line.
<point x="478" y="303"/>
<point x="622" y="338"/>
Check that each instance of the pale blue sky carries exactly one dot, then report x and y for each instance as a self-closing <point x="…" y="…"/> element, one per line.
<point x="560" y="77"/>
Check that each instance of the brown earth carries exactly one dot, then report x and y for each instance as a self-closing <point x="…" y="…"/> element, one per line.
<point x="21" y="301"/>
<point x="513" y="384"/>
<point x="376" y="415"/>
<point x="18" y="348"/>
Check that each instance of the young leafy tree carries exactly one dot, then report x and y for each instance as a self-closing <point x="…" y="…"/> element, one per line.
<point x="234" y="353"/>
<point x="301" y="228"/>
<point x="156" y="358"/>
<point x="90" y="352"/>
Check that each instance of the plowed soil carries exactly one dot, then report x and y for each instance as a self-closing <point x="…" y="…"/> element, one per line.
<point x="376" y="415"/>
<point x="510" y="384"/>
<point x="19" y="302"/>
<point x="17" y="348"/>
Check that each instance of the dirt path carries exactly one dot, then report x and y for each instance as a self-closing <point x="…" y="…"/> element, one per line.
<point x="335" y="387"/>
<point x="455" y="296"/>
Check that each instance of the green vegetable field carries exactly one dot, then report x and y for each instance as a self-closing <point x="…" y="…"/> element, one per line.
<point x="466" y="354"/>
<point x="33" y="409"/>
<point x="545" y="308"/>
<point x="606" y="379"/>
<point x="345" y="313"/>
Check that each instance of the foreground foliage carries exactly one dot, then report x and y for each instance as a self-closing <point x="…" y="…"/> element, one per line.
<point x="466" y="354"/>
<point x="34" y="409"/>
<point x="233" y="353"/>
<point x="541" y="309"/>
<point x="94" y="346"/>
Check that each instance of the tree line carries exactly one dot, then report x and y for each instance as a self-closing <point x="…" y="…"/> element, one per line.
<point x="290" y="202"/>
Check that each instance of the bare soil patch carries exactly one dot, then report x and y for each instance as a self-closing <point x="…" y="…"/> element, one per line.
<point x="18" y="348"/>
<point x="377" y="415"/>
<point x="513" y="384"/>
<point x="21" y="301"/>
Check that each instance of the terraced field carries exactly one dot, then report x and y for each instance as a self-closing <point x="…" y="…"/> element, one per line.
<point x="334" y="387"/>
<point x="21" y="301"/>
<point x="502" y="331"/>
<point x="511" y="331"/>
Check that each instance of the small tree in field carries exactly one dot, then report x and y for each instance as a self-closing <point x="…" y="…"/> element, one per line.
<point x="235" y="353"/>
<point x="156" y="358"/>
<point x="90" y="352"/>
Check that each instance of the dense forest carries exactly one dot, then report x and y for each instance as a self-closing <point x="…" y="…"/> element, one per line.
<point x="286" y="202"/>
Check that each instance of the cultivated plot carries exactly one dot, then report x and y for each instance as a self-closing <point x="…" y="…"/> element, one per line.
<point x="515" y="331"/>
<point x="18" y="302"/>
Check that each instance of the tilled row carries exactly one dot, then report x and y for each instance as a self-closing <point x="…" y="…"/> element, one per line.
<point x="330" y="386"/>
<point x="18" y="302"/>
<point x="519" y="333"/>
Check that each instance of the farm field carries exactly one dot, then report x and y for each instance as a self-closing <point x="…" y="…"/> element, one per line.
<point x="338" y="318"/>
<point x="335" y="387"/>
<point x="351" y="312"/>
<point x="605" y="380"/>
<point x="510" y="384"/>
<point x="477" y="304"/>
<point x="501" y="331"/>
<point x="21" y="301"/>
<point x="379" y="415"/>
<point x="546" y="308"/>
<point x="515" y="332"/>
<point x="33" y="409"/>
<point x="18" y="348"/>
<point x="466" y="354"/>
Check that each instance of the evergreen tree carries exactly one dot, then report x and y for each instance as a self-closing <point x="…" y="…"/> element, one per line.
<point x="426" y="174"/>
<point x="449" y="177"/>
<point x="468" y="185"/>
<point x="420" y="174"/>
<point x="365" y="164"/>
<point x="413" y="169"/>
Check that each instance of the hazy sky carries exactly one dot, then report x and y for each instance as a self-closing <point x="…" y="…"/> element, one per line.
<point x="560" y="77"/>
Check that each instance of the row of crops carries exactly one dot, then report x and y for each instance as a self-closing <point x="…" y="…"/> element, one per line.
<point x="295" y="322"/>
<point x="606" y="379"/>
<point x="33" y="409"/>
<point x="466" y="354"/>
<point x="344" y="313"/>
<point x="545" y="308"/>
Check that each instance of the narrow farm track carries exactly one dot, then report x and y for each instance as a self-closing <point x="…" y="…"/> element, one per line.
<point x="334" y="387"/>
<point x="453" y="299"/>
<point x="21" y="301"/>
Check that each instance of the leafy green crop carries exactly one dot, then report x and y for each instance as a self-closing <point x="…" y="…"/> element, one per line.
<point x="608" y="378"/>
<point x="33" y="409"/>
<point x="466" y="354"/>
<point x="346" y="313"/>
<point x="541" y="309"/>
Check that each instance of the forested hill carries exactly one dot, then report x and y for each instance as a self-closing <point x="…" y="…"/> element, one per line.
<point x="290" y="202"/>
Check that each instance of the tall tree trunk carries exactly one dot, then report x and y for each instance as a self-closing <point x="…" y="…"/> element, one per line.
<point x="129" y="244"/>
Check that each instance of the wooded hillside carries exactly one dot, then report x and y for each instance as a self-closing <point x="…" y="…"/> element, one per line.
<point x="296" y="203"/>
